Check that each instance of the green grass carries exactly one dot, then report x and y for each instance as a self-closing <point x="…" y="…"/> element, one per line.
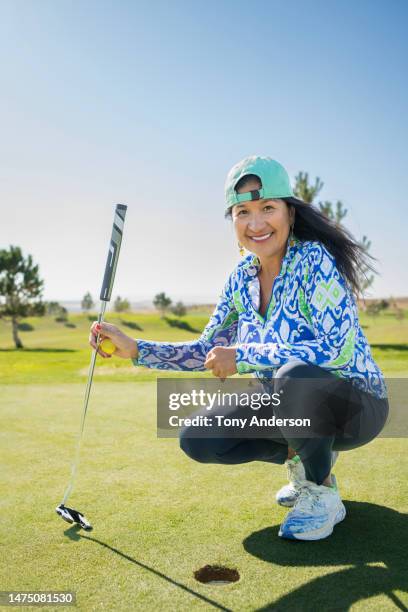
<point x="150" y="505"/>
<point x="159" y="516"/>
<point x="54" y="353"/>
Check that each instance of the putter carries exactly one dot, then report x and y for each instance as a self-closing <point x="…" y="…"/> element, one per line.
<point x="69" y="514"/>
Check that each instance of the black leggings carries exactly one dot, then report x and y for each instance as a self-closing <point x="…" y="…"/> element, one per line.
<point x="350" y="418"/>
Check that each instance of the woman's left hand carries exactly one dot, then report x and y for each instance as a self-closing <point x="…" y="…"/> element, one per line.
<point x="222" y="361"/>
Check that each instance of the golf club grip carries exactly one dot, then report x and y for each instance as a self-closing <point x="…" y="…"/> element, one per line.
<point x="113" y="254"/>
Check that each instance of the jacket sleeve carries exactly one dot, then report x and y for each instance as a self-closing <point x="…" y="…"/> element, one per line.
<point x="221" y="330"/>
<point x="332" y="313"/>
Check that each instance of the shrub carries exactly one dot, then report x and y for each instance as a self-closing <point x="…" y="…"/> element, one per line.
<point x="25" y="327"/>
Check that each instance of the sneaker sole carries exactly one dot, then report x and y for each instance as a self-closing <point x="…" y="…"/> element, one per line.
<point x="316" y="534"/>
<point x="286" y="502"/>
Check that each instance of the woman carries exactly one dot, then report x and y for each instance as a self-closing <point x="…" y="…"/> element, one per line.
<point x="287" y="312"/>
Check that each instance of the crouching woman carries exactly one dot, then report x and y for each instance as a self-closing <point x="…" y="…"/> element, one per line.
<point x="287" y="313"/>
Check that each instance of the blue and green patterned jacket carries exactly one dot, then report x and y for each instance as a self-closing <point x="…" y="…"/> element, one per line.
<point x="312" y="317"/>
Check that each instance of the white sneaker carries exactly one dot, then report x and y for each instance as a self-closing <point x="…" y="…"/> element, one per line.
<point x="317" y="510"/>
<point x="288" y="494"/>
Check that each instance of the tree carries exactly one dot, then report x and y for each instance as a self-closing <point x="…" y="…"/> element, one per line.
<point x="366" y="279"/>
<point x="62" y="316"/>
<point x="179" y="309"/>
<point x="162" y="302"/>
<point x="307" y="193"/>
<point x="397" y="311"/>
<point x="20" y="289"/>
<point x="53" y="308"/>
<point x="121" y="305"/>
<point x="87" y="302"/>
<point x="376" y="307"/>
<point x="303" y="190"/>
<point x="336" y="215"/>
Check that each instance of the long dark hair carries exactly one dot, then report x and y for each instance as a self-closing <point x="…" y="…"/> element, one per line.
<point x="351" y="258"/>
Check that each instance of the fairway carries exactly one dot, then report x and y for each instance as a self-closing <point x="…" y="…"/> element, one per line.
<point x="157" y="515"/>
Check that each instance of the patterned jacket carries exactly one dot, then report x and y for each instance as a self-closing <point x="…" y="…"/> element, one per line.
<point x="312" y="317"/>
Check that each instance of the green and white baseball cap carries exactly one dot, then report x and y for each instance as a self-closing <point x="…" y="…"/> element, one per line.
<point x="273" y="176"/>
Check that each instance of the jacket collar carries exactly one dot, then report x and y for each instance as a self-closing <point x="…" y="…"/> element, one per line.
<point x="252" y="265"/>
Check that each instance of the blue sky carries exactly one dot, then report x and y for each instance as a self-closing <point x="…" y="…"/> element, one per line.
<point x="151" y="103"/>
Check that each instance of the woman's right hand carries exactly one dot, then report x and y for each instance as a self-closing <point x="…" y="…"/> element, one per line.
<point x="126" y="347"/>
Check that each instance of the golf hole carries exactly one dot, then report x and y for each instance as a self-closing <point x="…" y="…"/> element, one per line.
<point x="216" y="574"/>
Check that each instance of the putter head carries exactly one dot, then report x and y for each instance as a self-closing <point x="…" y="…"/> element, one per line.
<point x="73" y="516"/>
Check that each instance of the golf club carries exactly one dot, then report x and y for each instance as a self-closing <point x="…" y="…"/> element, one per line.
<point x="69" y="514"/>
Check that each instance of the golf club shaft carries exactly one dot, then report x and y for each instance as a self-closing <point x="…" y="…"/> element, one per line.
<point x="75" y="462"/>
<point x="106" y="292"/>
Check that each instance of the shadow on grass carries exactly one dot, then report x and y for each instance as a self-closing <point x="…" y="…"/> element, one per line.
<point x="181" y="325"/>
<point x="75" y="533"/>
<point x="370" y="534"/>
<point x="132" y="325"/>
<point x="392" y="347"/>
<point x="37" y="350"/>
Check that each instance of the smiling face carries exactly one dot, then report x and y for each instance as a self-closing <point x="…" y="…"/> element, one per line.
<point x="262" y="226"/>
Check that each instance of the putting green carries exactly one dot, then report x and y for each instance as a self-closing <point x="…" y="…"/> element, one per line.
<point x="158" y="516"/>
